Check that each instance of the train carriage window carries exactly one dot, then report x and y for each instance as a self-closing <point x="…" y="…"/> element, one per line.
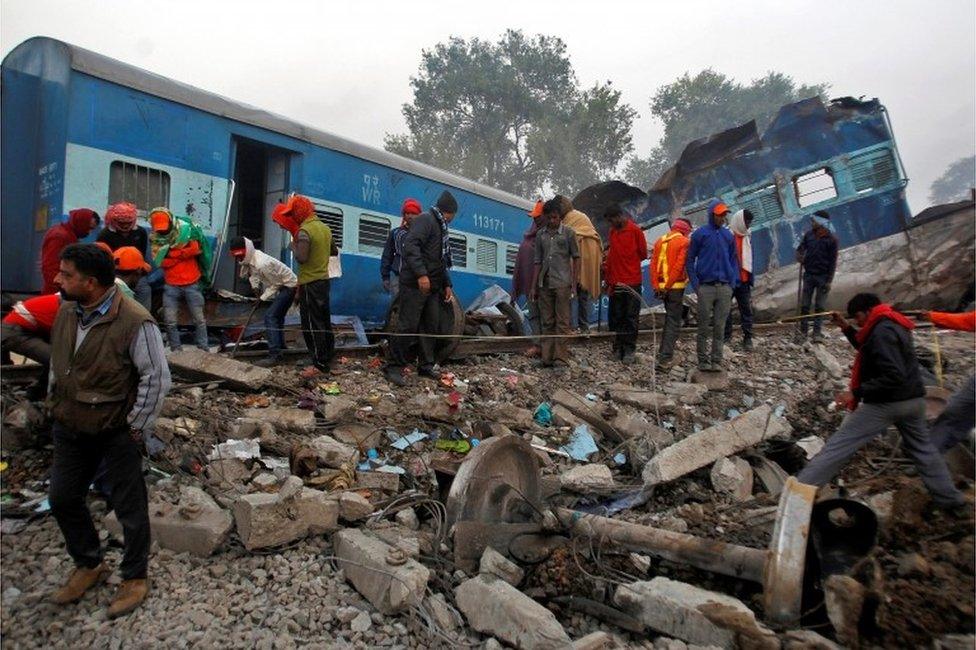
<point x="487" y="256"/>
<point x="697" y="216"/>
<point x="814" y="187"/>
<point x="459" y="250"/>
<point x="872" y="170"/>
<point x="511" y="256"/>
<point x="332" y="217"/>
<point x="373" y="233"/>
<point x="145" y="187"/>
<point x="764" y="204"/>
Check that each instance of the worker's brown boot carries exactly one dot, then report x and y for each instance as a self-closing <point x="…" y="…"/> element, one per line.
<point x="129" y="595"/>
<point x="80" y="581"/>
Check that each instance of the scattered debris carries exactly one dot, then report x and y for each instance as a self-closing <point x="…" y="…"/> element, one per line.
<point x="385" y="577"/>
<point x="493" y="606"/>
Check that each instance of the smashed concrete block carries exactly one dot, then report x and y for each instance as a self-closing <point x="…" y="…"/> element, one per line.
<point x="693" y="614"/>
<point x="496" y="564"/>
<point x="563" y="417"/>
<point x="206" y="366"/>
<point x="407" y="518"/>
<point x="354" y="507"/>
<point x="251" y="427"/>
<point x="707" y="446"/>
<point x="383" y="481"/>
<point x="228" y="472"/>
<point x="265" y="481"/>
<point x="635" y="425"/>
<point x="197" y="525"/>
<point x="293" y="513"/>
<point x="361" y="436"/>
<point x="643" y="447"/>
<point x="380" y="573"/>
<point x="432" y="406"/>
<point x="586" y="411"/>
<point x="808" y="640"/>
<point x="811" y="445"/>
<point x="446" y="617"/>
<point x="335" y="408"/>
<point x="411" y="542"/>
<point x="844" y="597"/>
<point x="292" y="419"/>
<point x="828" y="362"/>
<point x="21" y="425"/>
<point x="642" y="398"/>
<point x="513" y="416"/>
<point x="598" y="640"/>
<point x="484" y="430"/>
<point x="182" y="426"/>
<point x="883" y="505"/>
<point x="733" y="476"/>
<point x="686" y="393"/>
<point x="713" y="381"/>
<point x="492" y="606"/>
<point x="587" y="478"/>
<point x="332" y="453"/>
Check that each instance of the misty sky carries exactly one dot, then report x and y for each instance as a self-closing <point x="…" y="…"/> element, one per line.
<point x="345" y="66"/>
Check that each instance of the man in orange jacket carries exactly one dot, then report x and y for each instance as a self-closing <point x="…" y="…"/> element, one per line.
<point x="668" y="279"/>
<point x="957" y="420"/>
<point x="182" y="272"/>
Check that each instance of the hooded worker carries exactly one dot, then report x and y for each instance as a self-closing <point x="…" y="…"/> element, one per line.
<point x="393" y="249"/>
<point x="591" y="259"/>
<point x="78" y="225"/>
<point x="817" y="254"/>
<point x="180" y="247"/>
<point x="121" y="230"/>
<point x="739" y="225"/>
<point x="523" y="272"/>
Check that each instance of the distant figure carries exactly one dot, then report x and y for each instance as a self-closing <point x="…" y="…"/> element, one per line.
<point x="622" y="276"/>
<point x="668" y="279"/>
<point x="391" y="261"/>
<point x="77" y="226"/>
<point x="522" y="275"/>
<point x="886" y="390"/>
<point x="554" y="282"/>
<point x="181" y="249"/>
<point x="817" y="253"/>
<point x="271" y="281"/>
<point x="713" y="270"/>
<point x="959" y="417"/>
<point x="121" y="230"/>
<point x="739" y="225"/>
<point x="591" y="259"/>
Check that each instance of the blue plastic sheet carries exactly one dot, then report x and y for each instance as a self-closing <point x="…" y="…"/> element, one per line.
<point x="409" y="439"/>
<point x="581" y="444"/>
<point x="543" y="414"/>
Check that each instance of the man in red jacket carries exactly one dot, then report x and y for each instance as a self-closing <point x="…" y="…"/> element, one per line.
<point x="622" y="279"/>
<point x="80" y="222"/>
<point x="26" y="331"/>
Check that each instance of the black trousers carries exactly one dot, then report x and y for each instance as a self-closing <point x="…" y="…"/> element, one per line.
<point x="316" y="315"/>
<point x="624" y="319"/>
<point x="77" y="457"/>
<point x="743" y="298"/>
<point x="418" y="314"/>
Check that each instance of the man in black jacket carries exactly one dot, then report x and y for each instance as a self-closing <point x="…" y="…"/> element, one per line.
<point x="885" y="377"/>
<point x="817" y="253"/>
<point x="425" y="282"/>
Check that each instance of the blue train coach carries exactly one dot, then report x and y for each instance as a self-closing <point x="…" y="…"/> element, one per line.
<point x="83" y="130"/>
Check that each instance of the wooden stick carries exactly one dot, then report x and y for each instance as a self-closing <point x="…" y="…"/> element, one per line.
<point x="250" y="315"/>
<point x="790" y="319"/>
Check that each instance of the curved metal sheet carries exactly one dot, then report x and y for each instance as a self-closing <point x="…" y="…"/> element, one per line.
<point x="786" y="559"/>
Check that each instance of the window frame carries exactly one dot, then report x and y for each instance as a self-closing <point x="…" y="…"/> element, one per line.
<point x="828" y="172"/>
<point x="511" y="259"/>
<point x="490" y="249"/>
<point x="455" y="240"/>
<point x="121" y="195"/>
<point x="365" y="218"/>
<point x="336" y="223"/>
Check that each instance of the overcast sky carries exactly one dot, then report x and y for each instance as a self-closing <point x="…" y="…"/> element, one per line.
<point x="345" y="66"/>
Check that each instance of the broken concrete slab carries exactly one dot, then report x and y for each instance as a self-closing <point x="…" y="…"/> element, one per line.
<point x="448" y="618"/>
<point x="811" y="445"/>
<point x="707" y="446"/>
<point x="496" y="564"/>
<point x="297" y="420"/>
<point x="484" y="430"/>
<point x="360" y="436"/>
<point x="713" y="381"/>
<point x="332" y="453"/>
<point x="354" y="507"/>
<point x="411" y="542"/>
<point x="686" y="393"/>
<point x="182" y="426"/>
<point x="598" y="640"/>
<point x="691" y="613"/>
<point x="563" y="417"/>
<point x="197" y="525"/>
<point x="770" y="474"/>
<point x="21" y="425"/>
<point x="383" y="481"/>
<point x="335" y="408"/>
<point x="642" y="398"/>
<point x="380" y="573"/>
<point x="585" y="410"/>
<point x="594" y="477"/>
<point x="807" y="640"/>
<point x="732" y="476"/>
<point x="828" y="362"/>
<point x="432" y="406"/>
<point x="407" y="518"/>
<point x="635" y="425"/>
<point x="492" y="606"/>
<point x="844" y="598"/>
<point x="197" y="365"/>
<point x="295" y="512"/>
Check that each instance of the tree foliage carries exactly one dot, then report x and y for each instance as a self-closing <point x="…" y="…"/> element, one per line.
<point x="955" y="183"/>
<point x="511" y="115"/>
<point x="692" y="107"/>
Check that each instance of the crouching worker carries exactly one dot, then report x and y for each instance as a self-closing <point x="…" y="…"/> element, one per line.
<point x="108" y="380"/>
<point x="26" y="331"/>
<point x="272" y="281"/>
<point x="886" y="390"/>
<point x="959" y="417"/>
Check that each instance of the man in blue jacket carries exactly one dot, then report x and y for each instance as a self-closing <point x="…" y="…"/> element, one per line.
<point x="713" y="271"/>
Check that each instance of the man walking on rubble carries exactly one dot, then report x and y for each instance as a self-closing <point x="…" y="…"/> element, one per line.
<point x="955" y="423"/>
<point x="108" y="380"/>
<point x="817" y="254"/>
<point x="556" y="276"/>
<point x="425" y="283"/>
<point x="271" y="281"/>
<point x="668" y="280"/>
<point x="591" y="259"/>
<point x="739" y="225"/>
<point x="713" y="270"/>
<point x="524" y="272"/>
<point x="622" y="277"/>
<point x="886" y="390"/>
<point x="391" y="261"/>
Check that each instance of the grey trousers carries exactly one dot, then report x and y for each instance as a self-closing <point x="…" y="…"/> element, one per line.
<point x="673" y="300"/>
<point x="714" y="302"/>
<point x="867" y="422"/>
<point x="958" y="418"/>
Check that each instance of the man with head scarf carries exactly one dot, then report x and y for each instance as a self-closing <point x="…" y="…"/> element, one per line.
<point x="121" y="230"/>
<point x="713" y="270"/>
<point x="668" y="280"/>
<point x="524" y="270"/>
<point x="739" y="225"/>
<point x="390" y="262"/>
<point x="180" y="247"/>
<point x="817" y="253"/>
<point x="591" y="259"/>
<point x="77" y="226"/>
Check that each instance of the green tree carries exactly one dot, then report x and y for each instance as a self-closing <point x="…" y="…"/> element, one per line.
<point x="511" y="115"/>
<point x="955" y="183"/>
<point x="692" y="107"/>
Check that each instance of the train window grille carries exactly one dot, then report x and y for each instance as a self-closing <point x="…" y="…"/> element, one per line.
<point x="332" y="217"/>
<point x="697" y="216"/>
<point x="511" y="257"/>
<point x="145" y="187"/>
<point x="487" y="256"/>
<point x="814" y="187"/>
<point x="373" y="233"/>
<point x="873" y="170"/>
<point x="459" y="250"/>
<point x="764" y="204"/>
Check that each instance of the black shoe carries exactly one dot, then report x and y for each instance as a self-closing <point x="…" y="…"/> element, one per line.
<point x="394" y="376"/>
<point x="747" y="344"/>
<point x="429" y="373"/>
<point x="628" y="359"/>
<point x="269" y="362"/>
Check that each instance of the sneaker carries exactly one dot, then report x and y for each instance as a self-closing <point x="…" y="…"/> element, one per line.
<point x="818" y="338"/>
<point x="129" y="595"/>
<point x="80" y="581"/>
<point x="394" y="376"/>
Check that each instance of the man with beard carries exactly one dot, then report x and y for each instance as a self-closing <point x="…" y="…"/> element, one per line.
<point x="120" y="231"/>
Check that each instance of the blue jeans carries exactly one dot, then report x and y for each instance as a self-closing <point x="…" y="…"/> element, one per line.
<point x="193" y="296"/>
<point x="274" y="320"/>
<point x="143" y="293"/>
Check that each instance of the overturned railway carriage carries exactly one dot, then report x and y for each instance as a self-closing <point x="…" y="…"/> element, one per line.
<point x="82" y="130"/>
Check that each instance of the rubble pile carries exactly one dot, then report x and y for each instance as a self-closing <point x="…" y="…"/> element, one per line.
<point x="289" y="512"/>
